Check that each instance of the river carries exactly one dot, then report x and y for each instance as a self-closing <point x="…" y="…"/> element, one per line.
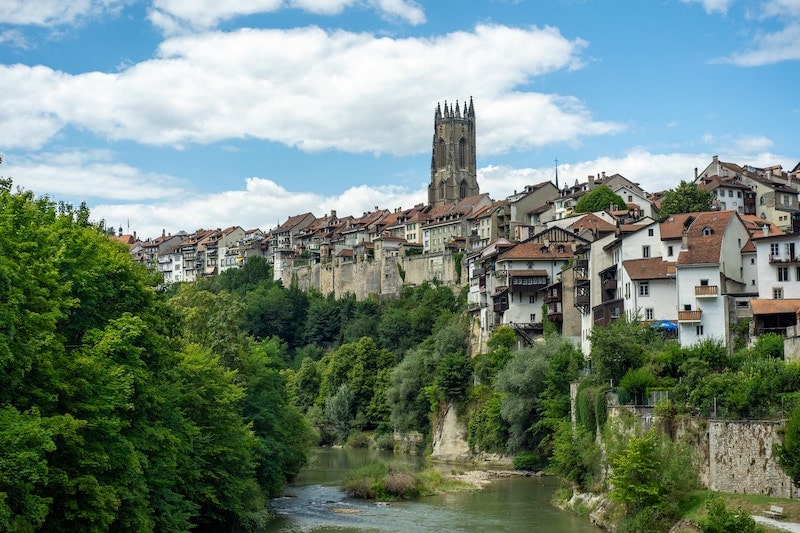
<point x="314" y="503"/>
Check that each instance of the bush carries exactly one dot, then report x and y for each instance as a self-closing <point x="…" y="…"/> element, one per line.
<point x="380" y="480"/>
<point x="359" y="440"/>
<point x="720" y="519"/>
<point x="529" y="461"/>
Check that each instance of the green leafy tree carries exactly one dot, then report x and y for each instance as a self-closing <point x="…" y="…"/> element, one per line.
<point x="686" y="198"/>
<point x="576" y="455"/>
<point x="599" y="198"/>
<point x="339" y="411"/>
<point x="788" y="451"/>
<point x="720" y="519"/>
<point x="521" y="381"/>
<point x="618" y="348"/>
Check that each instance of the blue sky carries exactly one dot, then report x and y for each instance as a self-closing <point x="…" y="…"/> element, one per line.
<point x="178" y="115"/>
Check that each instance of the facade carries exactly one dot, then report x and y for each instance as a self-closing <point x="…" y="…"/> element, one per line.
<point x="453" y="161"/>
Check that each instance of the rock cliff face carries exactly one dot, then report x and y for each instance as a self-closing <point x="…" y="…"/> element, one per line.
<point x="450" y="437"/>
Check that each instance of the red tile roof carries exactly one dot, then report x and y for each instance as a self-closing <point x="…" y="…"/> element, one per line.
<point x="651" y="268"/>
<point x="773" y="307"/>
<point x="706" y="249"/>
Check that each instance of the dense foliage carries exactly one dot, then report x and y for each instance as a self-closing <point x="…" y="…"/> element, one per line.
<point x="118" y="412"/>
<point x="686" y="198"/>
<point x="599" y="198"/>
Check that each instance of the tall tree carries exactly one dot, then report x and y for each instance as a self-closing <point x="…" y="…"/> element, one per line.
<point x="599" y="198"/>
<point x="686" y="198"/>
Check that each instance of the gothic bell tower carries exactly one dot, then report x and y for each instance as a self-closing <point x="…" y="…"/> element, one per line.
<point x="453" y="162"/>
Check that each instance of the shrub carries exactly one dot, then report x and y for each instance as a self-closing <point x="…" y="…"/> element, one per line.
<point x="359" y="440"/>
<point x="720" y="519"/>
<point x="529" y="461"/>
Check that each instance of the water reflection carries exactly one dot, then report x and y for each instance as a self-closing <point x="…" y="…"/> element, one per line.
<point x="314" y="503"/>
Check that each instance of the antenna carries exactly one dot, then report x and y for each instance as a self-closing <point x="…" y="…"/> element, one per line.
<point x="556" y="173"/>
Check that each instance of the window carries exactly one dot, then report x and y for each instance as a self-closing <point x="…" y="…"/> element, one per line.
<point x="532" y="299"/>
<point x="777" y="294"/>
<point x="630" y="197"/>
<point x="752" y="260"/>
<point x="707" y="231"/>
<point x="739" y="194"/>
<point x="644" y="288"/>
<point x="699" y="330"/>
<point x="783" y="273"/>
<point x="650" y="232"/>
<point x="646" y="251"/>
<point x="730" y="194"/>
<point x="687" y="307"/>
<point x="774" y="249"/>
<point x="648" y="314"/>
<point x="462" y="153"/>
<point x="669" y="251"/>
<point x="797" y="273"/>
<point x="533" y="318"/>
<point x="786" y="200"/>
<point x="761" y="201"/>
<point x="753" y="282"/>
<point x="462" y="189"/>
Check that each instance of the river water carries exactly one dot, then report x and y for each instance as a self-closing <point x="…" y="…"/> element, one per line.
<point x="314" y="504"/>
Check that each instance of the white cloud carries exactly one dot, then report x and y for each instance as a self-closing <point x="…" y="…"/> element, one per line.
<point x="173" y="15"/>
<point x="712" y="6"/>
<point x="78" y="174"/>
<point x="53" y="12"/>
<point x="770" y="48"/>
<point x="261" y="204"/>
<point x="176" y="16"/>
<point x="409" y="11"/>
<point x="311" y="89"/>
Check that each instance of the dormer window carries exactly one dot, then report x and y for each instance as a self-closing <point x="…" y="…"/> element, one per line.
<point x="561" y="249"/>
<point x="707" y="231"/>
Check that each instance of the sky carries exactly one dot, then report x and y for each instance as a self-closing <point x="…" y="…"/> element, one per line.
<point x="174" y="115"/>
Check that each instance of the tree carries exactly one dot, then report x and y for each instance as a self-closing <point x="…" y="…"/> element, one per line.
<point x="788" y="451"/>
<point x="599" y="198"/>
<point x="686" y="198"/>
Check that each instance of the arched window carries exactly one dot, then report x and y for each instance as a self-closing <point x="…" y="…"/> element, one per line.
<point x="441" y="190"/>
<point x="761" y="201"/>
<point x="441" y="155"/>
<point x="462" y="189"/>
<point x="462" y="153"/>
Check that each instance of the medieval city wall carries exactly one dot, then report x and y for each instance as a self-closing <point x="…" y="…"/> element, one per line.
<point x="382" y="276"/>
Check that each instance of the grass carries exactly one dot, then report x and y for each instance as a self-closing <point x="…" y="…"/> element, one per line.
<point x="385" y="481"/>
<point x="754" y="504"/>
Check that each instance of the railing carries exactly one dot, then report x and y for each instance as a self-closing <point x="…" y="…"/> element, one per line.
<point x="609" y="285"/>
<point x="690" y="316"/>
<point x="781" y="259"/>
<point x="708" y="291"/>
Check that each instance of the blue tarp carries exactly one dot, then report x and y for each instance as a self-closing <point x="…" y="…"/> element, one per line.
<point x="664" y="325"/>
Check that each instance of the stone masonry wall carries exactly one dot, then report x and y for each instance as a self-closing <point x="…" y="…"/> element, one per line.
<point x="734" y="455"/>
<point x="380" y="276"/>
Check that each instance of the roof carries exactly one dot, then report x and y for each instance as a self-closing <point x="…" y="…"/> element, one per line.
<point x="651" y="268"/>
<point x="706" y="248"/>
<point x="593" y="223"/>
<point x="537" y="250"/>
<point x="673" y="226"/>
<point x="291" y="222"/>
<point x="774" y="307"/>
<point x="755" y="226"/>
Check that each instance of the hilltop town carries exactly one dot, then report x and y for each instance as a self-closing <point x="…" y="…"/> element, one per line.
<point x="531" y="259"/>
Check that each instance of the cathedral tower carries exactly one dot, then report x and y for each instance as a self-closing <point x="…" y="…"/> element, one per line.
<point x="453" y="162"/>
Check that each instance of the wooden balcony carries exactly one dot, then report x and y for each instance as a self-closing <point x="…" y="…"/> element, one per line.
<point x="706" y="291"/>
<point x="690" y="316"/>
<point x="609" y="284"/>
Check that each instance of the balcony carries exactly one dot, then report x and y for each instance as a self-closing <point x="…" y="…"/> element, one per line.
<point x="706" y="291"/>
<point x="582" y="299"/>
<point x="782" y="259"/>
<point x="607" y="312"/>
<point x="581" y="263"/>
<point x="689" y="316"/>
<point x="609" y="285"/>
<point x="552" y="298"/>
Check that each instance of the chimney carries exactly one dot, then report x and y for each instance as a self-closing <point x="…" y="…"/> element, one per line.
<point x="765" y="230"/>
<point x="695" y="173"/>
<point x="591" y="182"/>
<point x="163" y="232"/>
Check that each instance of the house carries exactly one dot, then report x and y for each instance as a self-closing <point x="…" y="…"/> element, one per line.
<point x="709" y="277"/>
<point x="283" y="241"/>
<point x="446" y="223"/>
